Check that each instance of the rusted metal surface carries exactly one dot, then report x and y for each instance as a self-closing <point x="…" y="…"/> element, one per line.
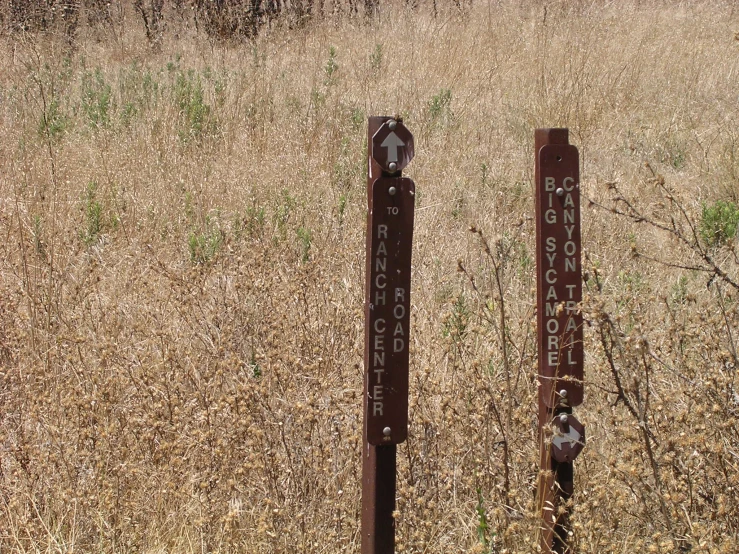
<point x="388" y="310"/>
<point x="390" y="223"/>
<point x="392" y="146"/>
<point x="560" y="347"/>
<point x="564" y="477"/>
<point x="378" y="499"/>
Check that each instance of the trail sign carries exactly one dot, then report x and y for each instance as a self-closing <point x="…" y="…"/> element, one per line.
<point x="560" y="333"/>
<point x="388" y="310"/>
<point x="392" y="146"/>
<point x="559" y="274"/>
<point x="390" y="201"/>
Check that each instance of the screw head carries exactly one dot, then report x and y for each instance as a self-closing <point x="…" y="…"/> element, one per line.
<point x="386" y="431"/>
<point x="392" y="166"/>
<point x="392" y="124"/>
<point x="563" y="418"/>
<point x="560" y="191"/>
<point x="563" y="393"/>
<point x="392" y="191"/>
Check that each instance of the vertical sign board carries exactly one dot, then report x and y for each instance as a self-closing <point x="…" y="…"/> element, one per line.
<point x="559" y="273"/>
<point x="388" y="310"/>
<point x="390" y="200"/>
<point x="560" y="332"/>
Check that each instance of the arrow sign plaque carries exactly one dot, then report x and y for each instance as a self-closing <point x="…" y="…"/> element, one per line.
<point x="392" y="146"/>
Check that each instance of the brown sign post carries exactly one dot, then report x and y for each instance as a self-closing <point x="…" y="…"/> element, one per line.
<point x="560" y="332"/>
<point x="391" y="201"/>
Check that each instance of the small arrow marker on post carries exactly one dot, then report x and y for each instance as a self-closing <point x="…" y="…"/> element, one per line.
<point x="392" y="146"/>
<point x="571" y="437"/>
<point x="392" y="143"/>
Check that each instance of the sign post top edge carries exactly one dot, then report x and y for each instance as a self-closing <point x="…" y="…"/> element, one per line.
<point x="553" y="135"/>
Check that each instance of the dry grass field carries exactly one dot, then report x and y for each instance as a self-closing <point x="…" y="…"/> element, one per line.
<point x="182" y="278"/>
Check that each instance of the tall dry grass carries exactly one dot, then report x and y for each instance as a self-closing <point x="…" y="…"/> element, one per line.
<point x="182" y="279"/>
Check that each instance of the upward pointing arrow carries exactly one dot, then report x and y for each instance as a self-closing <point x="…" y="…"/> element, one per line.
<point x="392" y="143"/>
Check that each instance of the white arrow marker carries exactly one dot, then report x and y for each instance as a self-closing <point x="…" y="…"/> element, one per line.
<point x="572" y="437"/>
<point x="392" y="143"/>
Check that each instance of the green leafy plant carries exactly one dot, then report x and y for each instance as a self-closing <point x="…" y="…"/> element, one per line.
<point x="256" y="369"/>
<point x="483" y="527"/>
<point x="332" y="65"/>
<point x="440" y="104"/>
<point x="458" y="202"/>
<point x="54" y="121"/>
<point x="195" y="113"/>
<point x="357" y="118"/>
<point x="96" y="98"/>
<point x="719" y="222"/>
<point x="174" y="65"/>
<point x="680" y="290"/>
<point x="253" y="222"/>
<point x="128" y="113"/>
<point x="138" y="91"/>
<point x="93" y="211"/>
<point x="455" y="325"/>
<point x="305" y="239"/>
<point x="204" y="244"/>
<point x="283" y="212"/>
<point x="342" y="207"/>
<point x="317" y="98"/>
<point x="150" y="88"/>
<point x="376" y="58"/>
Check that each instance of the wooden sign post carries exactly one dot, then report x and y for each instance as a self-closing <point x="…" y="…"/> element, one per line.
<point x="560" y="332"/>
<point x="391" y="201"/>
